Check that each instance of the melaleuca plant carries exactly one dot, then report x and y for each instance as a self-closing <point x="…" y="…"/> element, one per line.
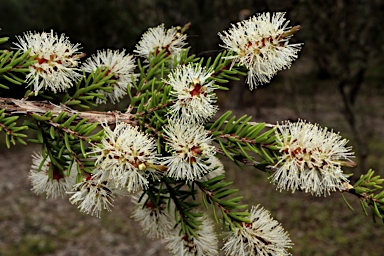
<point x="164" y="147"/>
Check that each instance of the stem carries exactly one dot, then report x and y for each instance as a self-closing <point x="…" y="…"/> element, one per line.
<point x="15" y="107"/>
<point x="179" y="208"/>
<point x="225" y="211"/>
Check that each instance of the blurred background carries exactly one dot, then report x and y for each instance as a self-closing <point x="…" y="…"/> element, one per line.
<point x="336" y="82"/>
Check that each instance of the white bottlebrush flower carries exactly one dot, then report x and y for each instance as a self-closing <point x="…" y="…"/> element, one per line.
<point x="204" y="244"/>
<point x="53" y="187"/>
<point x="216" y="169"/>
<point x="156" y="221"/>
<point x="190" y="146"/>
<point x="92" y="196"/>
<point x="311" y="159"/>
<point x="119" y="64"/>
<point x="157" y="39"/>
<point x="127" y="157"/>
<point x="260" y="43"/>
<point x="193" y="92"/>
<point x="263" y="236"/>
<point x="56" y="60"/>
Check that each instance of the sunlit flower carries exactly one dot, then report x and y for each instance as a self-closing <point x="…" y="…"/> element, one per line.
<point x="92" y="196"/>
<point x="55" y="63"/>
<point x="127" y="157"/>
<point x="158" y="39"/>
<point x="204" y="244"/>
<point x="311" y="159"/>
<point x="156" y="221"/>
<point x="120" y="65"/>
<point x="193" y="92"/>
<point x="190" y="146"/>
<point x="261" y="45"/>
<point x="263" y="236"/>
<point x="216" y="169"/>
<point x="55" y="186"/>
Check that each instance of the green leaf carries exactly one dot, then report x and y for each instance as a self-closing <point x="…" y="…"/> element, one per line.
<point x="52" y="132"/>
<point x="66" y="141"/>
<point x="346" y="201"/>
<point x="222" y="146"/>
<point x="12" y="80"/>
<point x="3" y="40"/>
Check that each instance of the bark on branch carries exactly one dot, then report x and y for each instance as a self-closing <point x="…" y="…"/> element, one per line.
<point x="23" y="107"/>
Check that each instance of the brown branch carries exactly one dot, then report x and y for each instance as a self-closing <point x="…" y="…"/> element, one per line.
<point x="23" y="107"/>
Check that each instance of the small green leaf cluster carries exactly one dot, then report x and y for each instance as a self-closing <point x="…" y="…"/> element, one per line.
<point x="88" y="88"/>
<point x="215" y="193"/>
<point x="65" y="139"/>
<point x="223" y="72"/>
<point x="240" y="140"/>
<point x="12" y="64"/>
<point x="370" y="191"/>
<point x="11" y="129"/>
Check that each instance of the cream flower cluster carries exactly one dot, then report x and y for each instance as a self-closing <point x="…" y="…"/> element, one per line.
<point x="119" y="64"/>
<point x="92" y="196"/>
<point x="191" y="150"/>
<point x="261" y="45"/>
<point x="263" y="236"/>
<point x="127" y="158"/>
<point x="126" y="161"/>
<point x="158" y="39"/>
<point x="195" y="100"/>
<point x="205" y="243"/>
<point x="156" y="221"/>
<point x="55" y="186"/>
<point x="311" y="159"/>
<point x="56" y="60"/>
<point x="160" y="222"/>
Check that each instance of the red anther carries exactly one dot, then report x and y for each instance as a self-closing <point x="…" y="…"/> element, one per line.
<point x="196" y="150"/>
<point x="56" y="174"/>
<point x="41" y="60"/>
<point x="196" y="90"/>
<point x="149" y="204"/>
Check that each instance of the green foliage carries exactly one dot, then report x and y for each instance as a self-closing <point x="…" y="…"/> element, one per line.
<point x="66" y="140"/>
<point x="213" y="193"/>
<point x="88" y="89"/>
<point x="13" y="65"/>
<point x="11" y="129"/>
<point x="240" y="140"/>
<point x="370" y="191"/>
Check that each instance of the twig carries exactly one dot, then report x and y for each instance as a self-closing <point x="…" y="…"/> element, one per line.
<point x="15" y="106"/>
